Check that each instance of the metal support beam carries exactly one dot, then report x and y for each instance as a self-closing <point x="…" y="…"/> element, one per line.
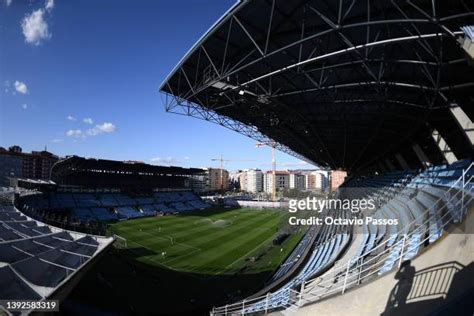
<point x="381" y="166"/>
<point x="463" y="122"/>
<point x="403" y="163"/>
<point x="421" y="155"/>
<point x="320" y="77"/>
<point x="346" y="51"/>
<point x="249" y="35"/>
<point x="390" y="165"/>
<point x="444" y="148"/>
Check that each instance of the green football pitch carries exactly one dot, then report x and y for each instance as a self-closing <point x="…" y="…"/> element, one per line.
<point x="213" y="242"/>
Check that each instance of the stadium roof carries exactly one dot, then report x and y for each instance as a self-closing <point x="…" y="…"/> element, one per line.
<point x="125" y="175"/>
<point x="341" y="83"/>
<point x="126" y="167"/>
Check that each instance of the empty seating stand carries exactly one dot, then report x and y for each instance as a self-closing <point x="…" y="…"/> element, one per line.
<point x="423" y="201"/>
<point x="419" y="202"/>
<point x="324" y="254"/>
<point x="295" y="254"/>
<point x="127" y="212"/>
<point x="109" y="207"/>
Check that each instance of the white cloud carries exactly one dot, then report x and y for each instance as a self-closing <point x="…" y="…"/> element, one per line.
<point x="74" y="133"/>
<point x="71" y="118"/>
<point x="8" y="2"/>
<point x="24" y="106"/>
<point x="88" y="120"/>
<point x="105" y="127"/>
<point x="21" y="87"/>
<point x="35" y="29"/>
<point x="56" y="140"/>
<point x="49" y="5"/>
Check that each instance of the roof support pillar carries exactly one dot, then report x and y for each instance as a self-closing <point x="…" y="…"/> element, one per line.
<point x="467" y="42"/>
<point x="421" y="155"/>
<point x="464" y="122"/>
<point x="381" y="166"/>
<point x="390" y="165"/>
<point x="402" y="161"/>
<point x="444" y="148"/>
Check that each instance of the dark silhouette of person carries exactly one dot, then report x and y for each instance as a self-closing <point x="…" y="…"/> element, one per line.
<point x="399" y="294"/>
<point x="405" y="281"/>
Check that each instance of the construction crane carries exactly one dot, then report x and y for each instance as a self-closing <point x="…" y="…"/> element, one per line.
<point x="272" y="145"/>
<point x="222" y="160"/>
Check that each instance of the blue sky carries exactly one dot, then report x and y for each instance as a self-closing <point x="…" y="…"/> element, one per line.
<point x="82" y="77"/>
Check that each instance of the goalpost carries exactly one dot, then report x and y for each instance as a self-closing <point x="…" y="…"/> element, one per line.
<point x="120" y="242"/>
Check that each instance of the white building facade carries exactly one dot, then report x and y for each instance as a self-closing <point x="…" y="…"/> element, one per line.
<point x="282" y="181"/>
<point x="254" y="181"/>
<point x="297" y="181"/>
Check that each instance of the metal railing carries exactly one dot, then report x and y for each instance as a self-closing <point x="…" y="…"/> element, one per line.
<point x="369" y="264"/>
